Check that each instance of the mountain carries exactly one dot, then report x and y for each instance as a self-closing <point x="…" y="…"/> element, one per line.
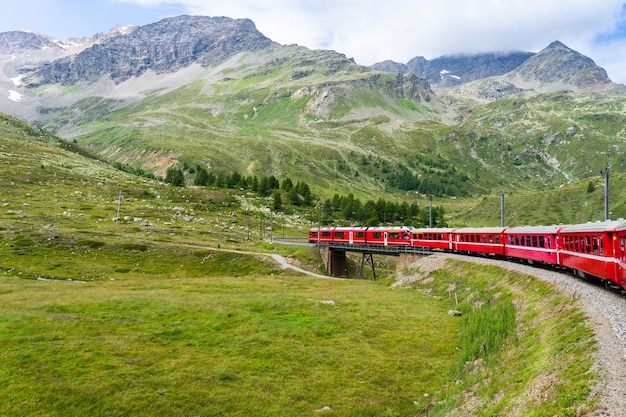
<point x="554" y="68"/>
<point x="195" y="91"/>
<point x="559" y="67"/>
<point x="448" y="71"/>
<point x="166" y="46"/>
<point x="20" y="41"/>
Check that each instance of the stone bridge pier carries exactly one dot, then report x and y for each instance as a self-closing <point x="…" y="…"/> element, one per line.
<point x="335" y="262"/>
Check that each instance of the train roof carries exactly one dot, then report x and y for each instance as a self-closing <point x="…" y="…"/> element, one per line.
<point x="539" y="230"/>
<point x="383" y="228"/>
<point x="478" y="230"/>
<point x="432" y="230"/>
<point x="606" y="226"/>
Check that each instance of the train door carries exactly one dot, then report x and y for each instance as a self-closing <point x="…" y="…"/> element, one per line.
<point x="385" y="237"/>
<point x="351" y="236"/>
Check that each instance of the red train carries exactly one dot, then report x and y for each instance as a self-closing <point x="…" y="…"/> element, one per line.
<point x="590" y="249"/>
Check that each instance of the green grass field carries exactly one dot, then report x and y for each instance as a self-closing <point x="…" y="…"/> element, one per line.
<point x="143" y="317"/>
<point x="247" y="346"/>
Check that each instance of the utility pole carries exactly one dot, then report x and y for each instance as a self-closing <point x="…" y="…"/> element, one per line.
<point x="248" y="227"/>
<point x="502" y="210"/>
<point x="119" y="207"/>
<point x="261" y="228"/>
<point x="319" y="225"/>
<point x="606" y="172"/>
<point x="271" y="228"/>
<point x="430" y="211"/>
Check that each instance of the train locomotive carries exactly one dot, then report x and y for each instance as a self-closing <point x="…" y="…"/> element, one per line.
<point x="588" y="250"/>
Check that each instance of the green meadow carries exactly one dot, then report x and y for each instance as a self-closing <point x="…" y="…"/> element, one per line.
<point x="115" y="301"/>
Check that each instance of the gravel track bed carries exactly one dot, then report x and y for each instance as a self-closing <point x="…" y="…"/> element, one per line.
<point x="606" y="312"/>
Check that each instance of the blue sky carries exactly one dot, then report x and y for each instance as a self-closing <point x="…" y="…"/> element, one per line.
<point x="366" y="30"/>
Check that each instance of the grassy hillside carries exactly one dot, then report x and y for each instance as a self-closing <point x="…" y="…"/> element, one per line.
<point x="142" y="315"/>
<point x="576" y="134"/>
<point x="348" y="137"/>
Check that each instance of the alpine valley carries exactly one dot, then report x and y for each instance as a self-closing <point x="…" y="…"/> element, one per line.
<point x="193" y="91"/>
<point x="128" y="287"/>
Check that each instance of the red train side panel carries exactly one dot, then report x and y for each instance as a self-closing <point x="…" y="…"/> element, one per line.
<point x="388" y="236"/>
<point x="434" y="238"/>
<point x="592" y="249"/>
<point x="487" y="240"/>
<point x="533" y="243"/>
<point x="619" y="240"/>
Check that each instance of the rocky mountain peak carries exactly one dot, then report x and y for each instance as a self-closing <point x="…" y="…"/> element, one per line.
<point x="448" y="71"/>
<point x="18" y="41"/>
<point x="559" y="66"/>
<point x="162" y="47"/>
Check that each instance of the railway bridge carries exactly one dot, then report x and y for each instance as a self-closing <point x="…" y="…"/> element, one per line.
<point x="334" y="254"/>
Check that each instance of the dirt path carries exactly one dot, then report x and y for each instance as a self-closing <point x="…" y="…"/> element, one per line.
<point x="279" y="259"/>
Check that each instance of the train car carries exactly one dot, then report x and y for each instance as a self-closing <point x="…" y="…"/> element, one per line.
<point x="315" y="235"/>
<point x="482" y="240"/>
<point x="388" y="236"/>
<point x="349" y="235"/>
<point x="533" y="243"/>
<point x="337" y="235"/>
<point x="593" y="249"/>
<point x="434" y="238"/>
<point x="619" y="239"/>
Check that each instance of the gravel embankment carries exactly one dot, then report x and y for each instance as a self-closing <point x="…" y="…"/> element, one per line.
<point x="606" y="311"/>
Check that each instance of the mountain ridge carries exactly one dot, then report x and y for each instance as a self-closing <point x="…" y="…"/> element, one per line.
<point x="173" y="93"/>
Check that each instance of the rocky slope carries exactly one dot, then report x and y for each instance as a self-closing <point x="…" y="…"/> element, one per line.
<point x="559" y="67"/>
<point x="554" y="68"/>
<point x="448" y="71"/>
<point x="195" y="90"/>
<point x="165" y="46"/>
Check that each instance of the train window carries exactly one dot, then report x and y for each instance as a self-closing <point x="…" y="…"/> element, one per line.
<point x="548" y="245"/>
<point x="527" y="243"/>
<point x="542" y="242"/>
<point x="313" y="234"/>
<point x="360" y="234"/>
<point x="326" y="234"/>
<point x="622" y="244"/>
<point x="377" y="235"/>
<point x="394" y="235"/>
<point x="490" y="238"/>
<point x="535" y="241"/>
<point x="498" y="239"/>
<point x="588" y="244"/>
<point x="340" y="235"/>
